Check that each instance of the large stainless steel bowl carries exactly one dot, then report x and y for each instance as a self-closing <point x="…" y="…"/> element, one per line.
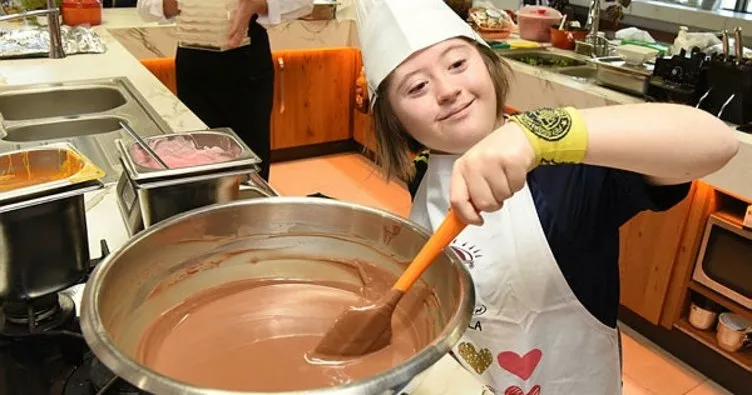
<point x="115" y="310"/>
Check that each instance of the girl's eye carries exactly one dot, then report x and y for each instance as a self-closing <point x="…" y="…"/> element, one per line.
<point x="458" y="64"/>
<point x="417" y="88"/>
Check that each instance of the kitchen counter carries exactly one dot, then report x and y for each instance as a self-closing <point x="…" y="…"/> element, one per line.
<point x="103" y="217"/>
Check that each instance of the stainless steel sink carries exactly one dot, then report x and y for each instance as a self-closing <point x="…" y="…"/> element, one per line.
<point x="59" y="102"/>
<point x="542" y="58"/>
<point x="583" y="73"/>
<point x="84" y="113"/>
<point x="62" y="130"/>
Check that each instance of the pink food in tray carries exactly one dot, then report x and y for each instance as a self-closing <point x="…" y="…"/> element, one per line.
<point x="179" y="152"/>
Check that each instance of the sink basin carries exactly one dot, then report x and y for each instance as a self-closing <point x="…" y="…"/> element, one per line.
<point x="59" y="102"/>
<point x="579" y="72"/>
<point x="63" y="130"/>
<point x="85" y="113"/>
<point x="542" y="58"/>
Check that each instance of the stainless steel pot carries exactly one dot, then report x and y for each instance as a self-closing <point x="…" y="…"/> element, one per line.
<point x="43" y="242"/>
<point x="115" y="310"/>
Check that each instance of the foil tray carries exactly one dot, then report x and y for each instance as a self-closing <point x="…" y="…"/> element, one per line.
<point x="34" y="41"/>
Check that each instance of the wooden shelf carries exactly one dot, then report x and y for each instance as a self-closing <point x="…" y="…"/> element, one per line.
<point x="720" y="299"/>
<point x="742" y="357"/>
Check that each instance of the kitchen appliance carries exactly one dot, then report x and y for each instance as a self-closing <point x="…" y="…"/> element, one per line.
<point x="211" y="243"/>
<point x="679" y="79"/>
<point x="729" y="95"/>
<point x="43" y="243"/>
<point x="149" y="195"/>
<point x="723" y="263"/>
<point x="51" y="357"/>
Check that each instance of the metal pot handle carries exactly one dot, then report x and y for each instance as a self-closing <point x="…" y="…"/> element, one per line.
<point x="256" y="183"/>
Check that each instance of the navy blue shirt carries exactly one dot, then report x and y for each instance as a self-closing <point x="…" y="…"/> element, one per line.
<point x="581" y="208"/>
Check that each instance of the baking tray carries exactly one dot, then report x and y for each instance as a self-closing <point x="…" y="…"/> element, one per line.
<point x="222" y="137"/>
<point x="54" y="166"/>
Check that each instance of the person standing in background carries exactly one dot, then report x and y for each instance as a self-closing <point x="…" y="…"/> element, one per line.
<point x="232" y="88"/>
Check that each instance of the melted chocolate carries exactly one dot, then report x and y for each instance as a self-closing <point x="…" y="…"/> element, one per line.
<point x="257" y="335"/>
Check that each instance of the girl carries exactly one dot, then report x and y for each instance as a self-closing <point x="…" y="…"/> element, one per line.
<point x="548" y="190"/>
<point x="234" y="88"/>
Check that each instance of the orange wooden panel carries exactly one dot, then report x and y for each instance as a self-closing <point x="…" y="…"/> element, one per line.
<point x="649" y="244"/>
<point x="313" y="96"/>
<point x="164" y="70"/>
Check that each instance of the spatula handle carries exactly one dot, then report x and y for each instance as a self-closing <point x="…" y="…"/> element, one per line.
<point x="448" y="231"/>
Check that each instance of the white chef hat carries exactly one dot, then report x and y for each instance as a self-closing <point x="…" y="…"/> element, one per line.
<point x="392" y="30"/>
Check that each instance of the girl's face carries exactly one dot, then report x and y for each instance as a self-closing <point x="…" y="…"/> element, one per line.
<point x="444" y="96"/>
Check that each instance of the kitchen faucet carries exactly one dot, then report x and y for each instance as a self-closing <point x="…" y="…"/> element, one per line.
<point x="53" y="24"/>
<point x="593" y="20"/>
<point x="595" y="43"/>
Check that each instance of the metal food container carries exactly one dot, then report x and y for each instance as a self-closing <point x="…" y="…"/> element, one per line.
<point x="43" y="236"/>
<point x="613" y="72"/>
<point x="42" y="170"/>
<point x="163" y="193"/>
<point x="213" y="245"/>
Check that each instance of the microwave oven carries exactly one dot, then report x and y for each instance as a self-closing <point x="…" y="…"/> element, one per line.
<point x="724" y="262"/>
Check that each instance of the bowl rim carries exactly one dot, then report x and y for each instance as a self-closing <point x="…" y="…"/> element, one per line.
<point x="146" y="379"/>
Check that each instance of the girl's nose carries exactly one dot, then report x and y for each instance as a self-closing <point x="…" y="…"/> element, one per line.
<point x="447" y="92"/>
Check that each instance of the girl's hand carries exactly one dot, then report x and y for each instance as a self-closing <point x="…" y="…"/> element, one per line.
<point x="490" y="172"/>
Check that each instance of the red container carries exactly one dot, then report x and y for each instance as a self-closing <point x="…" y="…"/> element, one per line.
<point x="564" y="39"/>
<point x="535" y="21"/>
<point x="81" y="12"/>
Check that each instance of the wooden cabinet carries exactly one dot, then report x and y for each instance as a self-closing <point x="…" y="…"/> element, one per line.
<point x="648" y="248"/>
<point x="313" y="96"/>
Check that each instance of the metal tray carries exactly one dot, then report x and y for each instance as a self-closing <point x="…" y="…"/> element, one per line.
<point x="61" y="165"/>
<point x="615" y="73"/>
<point x="222" y="137"/>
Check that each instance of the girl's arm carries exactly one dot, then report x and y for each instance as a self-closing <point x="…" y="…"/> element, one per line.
<point x="667" y="143"/>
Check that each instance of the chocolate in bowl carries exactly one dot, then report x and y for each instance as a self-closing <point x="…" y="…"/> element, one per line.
<point x="298" y="240"/>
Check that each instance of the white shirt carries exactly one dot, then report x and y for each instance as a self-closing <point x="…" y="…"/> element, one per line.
<point x="279" y="11"/>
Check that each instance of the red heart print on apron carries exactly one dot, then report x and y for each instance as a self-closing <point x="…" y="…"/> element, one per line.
<point x="515" y="390"/>
<point x="521" y="367"/>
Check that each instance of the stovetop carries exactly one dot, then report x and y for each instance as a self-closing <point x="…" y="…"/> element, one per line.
<point x="56" y="359"/>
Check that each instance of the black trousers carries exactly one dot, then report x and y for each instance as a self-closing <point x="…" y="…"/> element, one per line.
<point x="232" y="89"/>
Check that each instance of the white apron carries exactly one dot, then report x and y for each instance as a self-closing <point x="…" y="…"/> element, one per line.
<point x="529" y="334"/>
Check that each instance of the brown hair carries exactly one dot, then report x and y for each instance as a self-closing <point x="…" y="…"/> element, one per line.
<point x="395" y="147"/>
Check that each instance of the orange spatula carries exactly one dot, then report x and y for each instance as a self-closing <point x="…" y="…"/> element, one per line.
<point x="360" y="330"/>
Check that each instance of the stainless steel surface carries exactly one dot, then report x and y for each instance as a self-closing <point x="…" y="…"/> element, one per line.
<point x="224" y="138"/>
<point x="583" y="73"/>
<point x="85" y="113"/>
<point x="53" y="24"/>
<point x="116" y="306"/>
<point x="164" y="199"/>
<point x="60" y="159"/>
<point x="613" y="72"/>
<point x="729" y="338"/>
<point x="45" y="103"/>
<point x="43" y="244"/>
<point x="725" y="42"/>
<point x="738" y="46"/>
<point x="143" y="145"/>
<point x="592" y="24"/>
<point x="701" y="318"/>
